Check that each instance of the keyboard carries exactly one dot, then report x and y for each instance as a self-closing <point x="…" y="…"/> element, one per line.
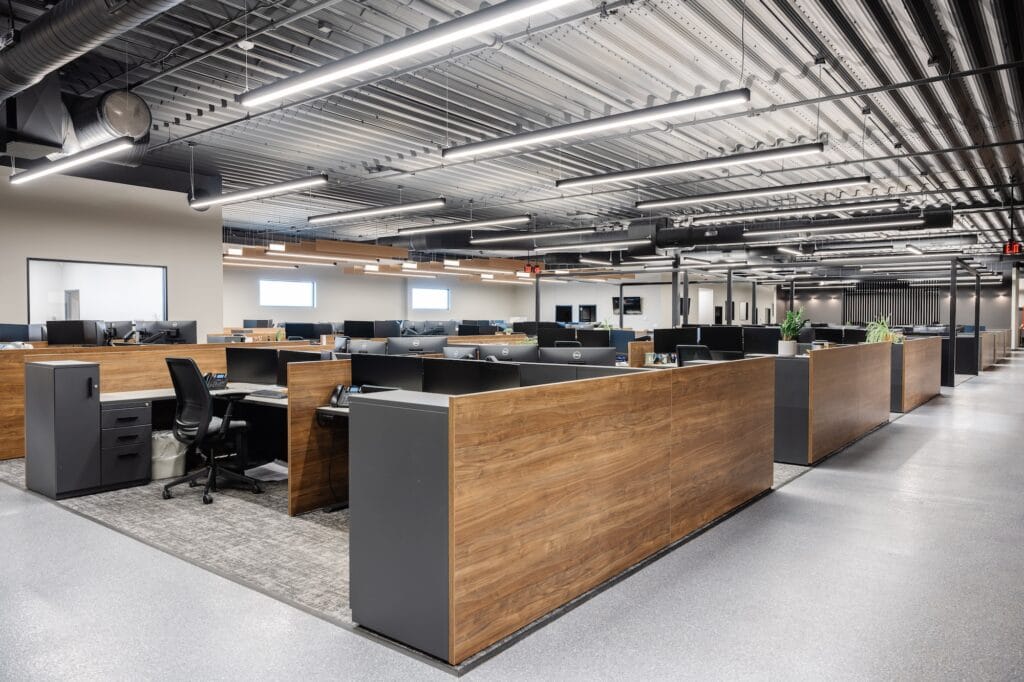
<point x="269" y="393"/>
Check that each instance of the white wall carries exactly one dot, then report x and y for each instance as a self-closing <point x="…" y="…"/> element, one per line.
<point x="365" y="297"/>
<point x="66" y="218"/>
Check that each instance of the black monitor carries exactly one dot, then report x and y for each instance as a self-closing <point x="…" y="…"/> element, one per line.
<point x="170" y="331"/>
<point x="75" y="333"/>
<point x="457" y="377"/>
<point x="546" y="337"/>
<point x="666" y="340"/>
<point x="284" y="357"/>
<point x="401" y="345"/>
<point x="251" y="365"/>
<point x="357" y="329"/>
<point x="594" y="338"/>
<point x="689" y="353"/>
<point x="579" y="356"/>
<point x="537" y="374"/>
<point x="509" y="352"/>
<point x="477" y="330"/>
<point x="367" y="347"/>
<point x="460" y="352"/>
<point x="528" y="328"/>
<point x="13" y="332"/>
<point x="394" y="371"/>
<point x="728" y="338"/>
<point x="383" y="329"/>
<point x="830" y="334"/>
<point x="761" y="340"/>
<point x="257" y="324"/>
<point x="300" y="330"/>
<point x="322" y="329"/>
<point x="852" y="335"/>
<point x="620" y="338"/>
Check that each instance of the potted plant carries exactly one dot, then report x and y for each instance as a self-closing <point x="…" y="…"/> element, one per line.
<point x="879" y="332"/>
<point x="790" y="331"/>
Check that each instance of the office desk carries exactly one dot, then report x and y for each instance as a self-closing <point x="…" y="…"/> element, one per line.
<point x="168" y="394"/>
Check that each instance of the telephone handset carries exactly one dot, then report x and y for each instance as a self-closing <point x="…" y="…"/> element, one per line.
<point x="341" y="393"/>
<point x="216" y="382"/>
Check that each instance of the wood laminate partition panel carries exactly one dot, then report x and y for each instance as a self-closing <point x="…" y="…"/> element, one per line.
<point x="488" y="338"/>
<point x="988" y="349"/>
<point x="922" y="371"/>
<point x="317" y="455"/>
<point x="637" y="350"/>
<point x="849" y="395"/>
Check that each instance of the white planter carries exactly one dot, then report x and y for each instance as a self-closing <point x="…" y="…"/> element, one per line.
<point x="787" y="349"/>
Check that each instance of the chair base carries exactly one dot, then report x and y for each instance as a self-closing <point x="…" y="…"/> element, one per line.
<point x="211" y="472"/>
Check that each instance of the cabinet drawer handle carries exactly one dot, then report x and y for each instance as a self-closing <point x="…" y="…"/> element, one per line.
<point x="125" y="439"/>
<point x="127" y="454"/>
<point x="128" y="419"/>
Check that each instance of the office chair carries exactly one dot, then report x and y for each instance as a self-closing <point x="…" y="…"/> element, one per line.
<point x="200" y="431"/>
<point x="568" y="344"/>
<point x="340" y="344"/>
<point x="688" y="352"/>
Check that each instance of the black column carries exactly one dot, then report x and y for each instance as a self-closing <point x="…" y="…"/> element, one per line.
<point x="675" y="291"/>
<point x="949" y="379"/>
<point x="728" y="296"/>
<point x="753" y="303"/>
<point x="792" y="292"/>
<point x="977" y="317"/>
<point x="536" y="298"/>
<point x="686" y="295"/>
<point x="622" y="305"/>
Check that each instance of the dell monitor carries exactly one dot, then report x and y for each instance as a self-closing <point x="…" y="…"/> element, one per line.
<point x="666" y="340"/>
<point x="359" y="329"/>
<point x="300" y="330"/>
<point x="251" y="365"/>
<point x="460" y="352"/>
<point x="726" y="338"/>
<point x="546" y="337"/>
<point x="393" y="371"/>
<point x="761" y="340"/>
<point x="403" y="345"/>
<point x="170" y="331"/>
<point x="594" y="338"/>
<point x="367" y="347"/>
<point x="257" y="324"/>
<point x="76" y="333"/>
<point x="285" y="357"/>
<point x="509" y="352"/>
<point x="579" y="356"/>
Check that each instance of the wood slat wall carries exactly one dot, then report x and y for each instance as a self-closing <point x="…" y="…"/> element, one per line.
<point x="606" y="474"/>
<point x="849" y="395"/>
<point x="317" y="455"/>
<point x="922" y="371"/>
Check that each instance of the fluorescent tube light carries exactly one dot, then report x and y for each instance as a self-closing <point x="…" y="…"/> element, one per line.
<point x="344" y="259"/>
<point x="73" y="160"/>
<point x="409" y="265"/>
<point x="376" y="211"/>
<point x="882" y="225"/>
<point x="761" y="156"/>
<point x="469" y="225"/>
<point x="753" y="193"/>
<point x="234" y="251"/>
<point x="275" y="246"/>
<point x="484" y="275"/>
<point x="594" y="246"/>
<point x="523" y="275"/>
<point x="371" y="268"/>
<point x="277" y="262"/>
<point x="913" y="249"/>
<point x="477" y="23"/>
<point x="793" y="252"/>
<point x="794" y="212"/>
<point x="473" y="269"/>
<point x="451" y="262"/>
<point x="509" y="281"/>
<point x="401" y="274"/>
<point x="624" y="120"/>
<point x="595" y="261"/>
<point x="257" y="265"/>
<point x="903" y="268"/>
<point x="523" y="236"/>
<point x="260" y="192"/>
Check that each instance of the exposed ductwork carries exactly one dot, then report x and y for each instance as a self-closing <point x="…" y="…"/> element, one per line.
<point x="68" y="31"/>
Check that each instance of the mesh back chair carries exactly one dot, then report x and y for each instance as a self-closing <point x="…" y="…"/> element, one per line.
<point x="202" y="432"/>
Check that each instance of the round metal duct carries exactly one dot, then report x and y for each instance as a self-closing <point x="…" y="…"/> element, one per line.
<point x="113" y="114"/>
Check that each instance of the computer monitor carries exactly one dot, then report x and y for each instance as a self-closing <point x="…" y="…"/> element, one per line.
<point x="358" y="329"/>
<point x="579" y="356"/>
<point x="509" y="352"/>
<point x="383" y="329"/>
<point x="458" y="377"/>
<point x="620" y="338"/>
<point x="251" y="365"/>
<point x="853" y="335"/>
<point x="528" y="328"/>
<point x="170" y="331"/>
<point x="75" y="333"/>
<point x="367" y="347"/>
<point x="537" y="374"/>
<point x="546" y="337"/>
<point x="477" y="330"/>
<point x="685" y="353"/>
<point x="401" y="345"/>
<point x="728" y="338"/>
<point x="285" y="357"/>
<point x="394" y="371"/>
<point x="13" y="332"/>
<point x="666" y="340"/>
<point x="300" y="330"/>
<point x="257" y="324"/>
<point x="322" y="329"/>
<point x="761" y="340"/>
<point x="594" y="338"/>
<point x="830" y="334"/>
<point x="460" y="352"/>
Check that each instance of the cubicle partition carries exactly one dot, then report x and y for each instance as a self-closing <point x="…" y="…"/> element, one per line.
<point x="916" y="372"/>
<point x="493" y="509"/>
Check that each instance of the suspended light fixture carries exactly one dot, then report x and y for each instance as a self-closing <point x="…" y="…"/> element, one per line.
<point x="524" y="236"/>
<point x="339" y="258"/>
<point x="467" y="268"/>
<point x="754" y="193"/>
<point x="881" y="225"/>
<point x="377" y="211"/>
<point x="73" y="160"/>
<point x="468" y="225"/>
<point x="400" y="274"/>
<point x="914" y="249"/>
<point x="260" y="192"/>
<point x="594" y="246"/>
<point x="235" y="251"/>
<point x="762" y="156"/>
<point x="233" y="259"/>
<point x="595" y="261"/>
<point x="452" y="262"/>
<point x="795" y="212"/>
<point x="624" y="120"/>
<point x="476" y="23"/>
<point x="276" y="246"/>
<point x="792" y="252"/>
<point x="257" y="265"/>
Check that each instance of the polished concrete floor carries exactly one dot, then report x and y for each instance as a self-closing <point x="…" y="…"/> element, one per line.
<point x="900" y="558"/>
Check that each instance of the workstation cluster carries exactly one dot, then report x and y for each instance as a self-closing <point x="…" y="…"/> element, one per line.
<point x="99" y="332"/>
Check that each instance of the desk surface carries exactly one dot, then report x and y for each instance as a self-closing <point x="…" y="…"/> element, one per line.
<point x="333" y="411"/>
<point x="164" y="393"/>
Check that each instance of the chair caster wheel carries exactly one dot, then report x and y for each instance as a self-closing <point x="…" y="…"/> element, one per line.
<point x="166" y="494"/>
<point x="257" y="488"/>
<point x="207" y="498"/>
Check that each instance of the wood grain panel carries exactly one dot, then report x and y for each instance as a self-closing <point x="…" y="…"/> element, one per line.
<point x="723" y="419"/>
<point x="849" y="395"/>
<point x="922" y="371"/>
<point x="988" y="349"/>
<point x="554" y="489"/>
<point x="317" y="455"/>
<point x="488" y="338"/>
<point x="637" y="350"/>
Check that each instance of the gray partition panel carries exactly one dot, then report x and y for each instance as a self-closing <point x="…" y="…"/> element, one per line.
<point x="792" y="405"/>
<point x="896" y="381"/>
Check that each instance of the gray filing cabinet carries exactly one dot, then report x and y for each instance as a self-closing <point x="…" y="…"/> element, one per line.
<point x="76" y="445"/>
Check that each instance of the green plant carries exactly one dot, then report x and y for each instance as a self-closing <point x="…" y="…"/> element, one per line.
<point x="791" y="326"/>
<point x="604" y="324"/>
<point x="879" y="332"/>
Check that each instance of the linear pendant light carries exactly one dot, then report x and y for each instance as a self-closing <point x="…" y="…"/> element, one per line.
<point x="594" y="246"/>
<point x="73" y="160"/>
<point x="379" y="210"/>
<point x="247" y="259"/>
<point x="258" y="265"/>
<point x="417" y="275"/>
<point x="881" y="225"/>
<point x="624" y="120"/>
<point x="761" y="156"/>
<point x="524" y="236"/>
<point x="344" y="259"/>
<point x="795" y="212"/>
<point x="260" y="192"/>
<point x="484" y="21"/>
<point x="469" y="225"/>
<point x="753" y="193"/>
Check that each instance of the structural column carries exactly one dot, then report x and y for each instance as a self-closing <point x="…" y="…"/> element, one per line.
<point x="728" y="296"/>
<point x="675" y="291"/>
<point x="686" y="296"/>
<point x="792" y="293"/>
<point x="949" y="379"/>
<point x="1015" y="307"/>
<point x="622" y="304"/>
<point x="536" y="298"/>
<point x="753" y="303"/>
